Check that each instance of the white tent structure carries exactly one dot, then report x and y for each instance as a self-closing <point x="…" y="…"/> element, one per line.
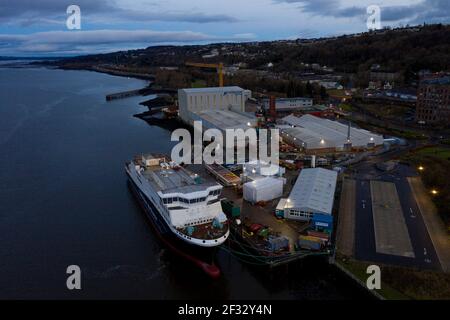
<point x="265" y="189"/>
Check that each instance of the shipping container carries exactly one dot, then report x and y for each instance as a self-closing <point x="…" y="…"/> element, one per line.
<point x="308" y="244"/>
<point x="230" y="209"/>
<point x="321" y="235"/>
<point x="277" y="243"/>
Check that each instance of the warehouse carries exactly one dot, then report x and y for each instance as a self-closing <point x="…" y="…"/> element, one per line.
<point x="290" y="104"/>
<point x="219" y="108"/>
<point x="313" y="194"/>
<point x="198" y="100"/>
<point x="224" y="119"/>
<point x="316" y="134"/>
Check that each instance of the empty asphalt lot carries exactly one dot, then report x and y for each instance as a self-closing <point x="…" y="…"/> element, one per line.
<point x="425" y="256"/>
<point x="391" y="232"/>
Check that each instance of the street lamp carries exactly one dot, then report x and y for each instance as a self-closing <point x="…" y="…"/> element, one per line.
<point x="434" y="192"/>
<point x="421" y="168"/>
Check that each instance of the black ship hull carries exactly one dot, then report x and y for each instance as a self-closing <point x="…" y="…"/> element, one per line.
<point x="200" y="256"/>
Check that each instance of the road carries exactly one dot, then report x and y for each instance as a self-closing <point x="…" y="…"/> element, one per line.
<point x="345" y="237"/>
<point x="436" y="227"/>
<point x="365" y="248"/>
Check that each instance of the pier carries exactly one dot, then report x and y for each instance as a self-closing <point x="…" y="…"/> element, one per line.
<point x="125" y="94"/>
<point x="251" y="247"/>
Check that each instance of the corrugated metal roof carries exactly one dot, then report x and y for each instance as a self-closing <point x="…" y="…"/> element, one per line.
<point x="323" y="133"/>
<point x="227" y="119"/>
<point x="224" y="90"/>
<point x="314" y="191"/>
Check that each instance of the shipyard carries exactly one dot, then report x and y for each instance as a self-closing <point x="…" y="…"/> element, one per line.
<point x="206" y="154"/>
<point x="286" y="167"/>
<point x="280" y="208"/>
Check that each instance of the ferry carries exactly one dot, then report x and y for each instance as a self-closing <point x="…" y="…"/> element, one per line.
<point x="185" y="211"/>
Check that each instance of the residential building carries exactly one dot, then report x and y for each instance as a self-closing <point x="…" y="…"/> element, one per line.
<point x="433" y="101"/>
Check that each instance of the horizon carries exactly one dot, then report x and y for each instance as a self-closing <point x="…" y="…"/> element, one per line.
<point x="41" y="30"/>
<point x="216" y="43"/>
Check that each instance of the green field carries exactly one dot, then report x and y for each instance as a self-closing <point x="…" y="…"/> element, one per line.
<point x="399" y="283"/>
<point x="439" y="152"/>
<point x="436" y="164"/>
<point x="358" y="269"/>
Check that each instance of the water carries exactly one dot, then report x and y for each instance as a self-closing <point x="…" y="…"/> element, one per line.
<point x="64" y="200"/>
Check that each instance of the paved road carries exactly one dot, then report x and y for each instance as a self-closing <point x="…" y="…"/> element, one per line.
<point x="345" y="237"/>
<point x="421" y="241"/>
<point x="436" y="227"/>
<point x="365" y="249"/>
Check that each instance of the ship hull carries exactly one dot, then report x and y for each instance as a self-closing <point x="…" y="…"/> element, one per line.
<point x="202" y="257"/>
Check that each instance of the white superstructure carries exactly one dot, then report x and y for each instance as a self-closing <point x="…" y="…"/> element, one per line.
<point x="190" y="208"/>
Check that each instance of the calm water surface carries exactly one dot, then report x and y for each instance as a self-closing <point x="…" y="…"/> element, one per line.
<point x="64" y="200"/>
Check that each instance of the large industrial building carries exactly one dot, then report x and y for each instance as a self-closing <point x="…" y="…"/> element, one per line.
<point x="219" y="108"/>
<point x="312" y="194"/>
<point x="315" y="134"/>
<point x="224" y="119"/>
<point x="201" y="100"/>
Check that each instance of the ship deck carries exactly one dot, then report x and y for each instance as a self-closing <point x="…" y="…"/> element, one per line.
<point x="173" y="180"/>
<point x="206" y="231"/>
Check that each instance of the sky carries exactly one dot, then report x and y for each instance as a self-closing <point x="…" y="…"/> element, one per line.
<point x="38" y="27"/>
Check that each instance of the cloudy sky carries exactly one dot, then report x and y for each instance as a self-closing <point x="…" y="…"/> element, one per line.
<point x="38" y="27"/>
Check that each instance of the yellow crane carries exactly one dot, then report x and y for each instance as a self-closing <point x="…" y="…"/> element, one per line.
<point x="217" y="66"/>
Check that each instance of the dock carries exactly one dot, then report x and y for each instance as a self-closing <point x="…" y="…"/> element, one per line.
<point x="124" y="94"/>
<point x="252" y="247"/>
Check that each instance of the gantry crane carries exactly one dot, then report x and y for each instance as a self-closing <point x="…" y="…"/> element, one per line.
<point x="217" y="66"/>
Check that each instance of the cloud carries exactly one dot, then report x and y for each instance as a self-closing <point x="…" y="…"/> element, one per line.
<point x="78" y="42"/>
<point x="28" y="12"/>
<point x="431" y="11"/>
<point x="45" y="9"/>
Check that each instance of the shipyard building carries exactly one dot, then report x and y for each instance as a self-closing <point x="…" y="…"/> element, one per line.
<point x="311" y="197"/>
<point x="290" y="104"/>
<point x="315" y="134"/>
<point x="220" y="108"/>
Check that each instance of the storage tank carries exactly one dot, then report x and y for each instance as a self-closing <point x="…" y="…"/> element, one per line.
<point x="265" y="189"/>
